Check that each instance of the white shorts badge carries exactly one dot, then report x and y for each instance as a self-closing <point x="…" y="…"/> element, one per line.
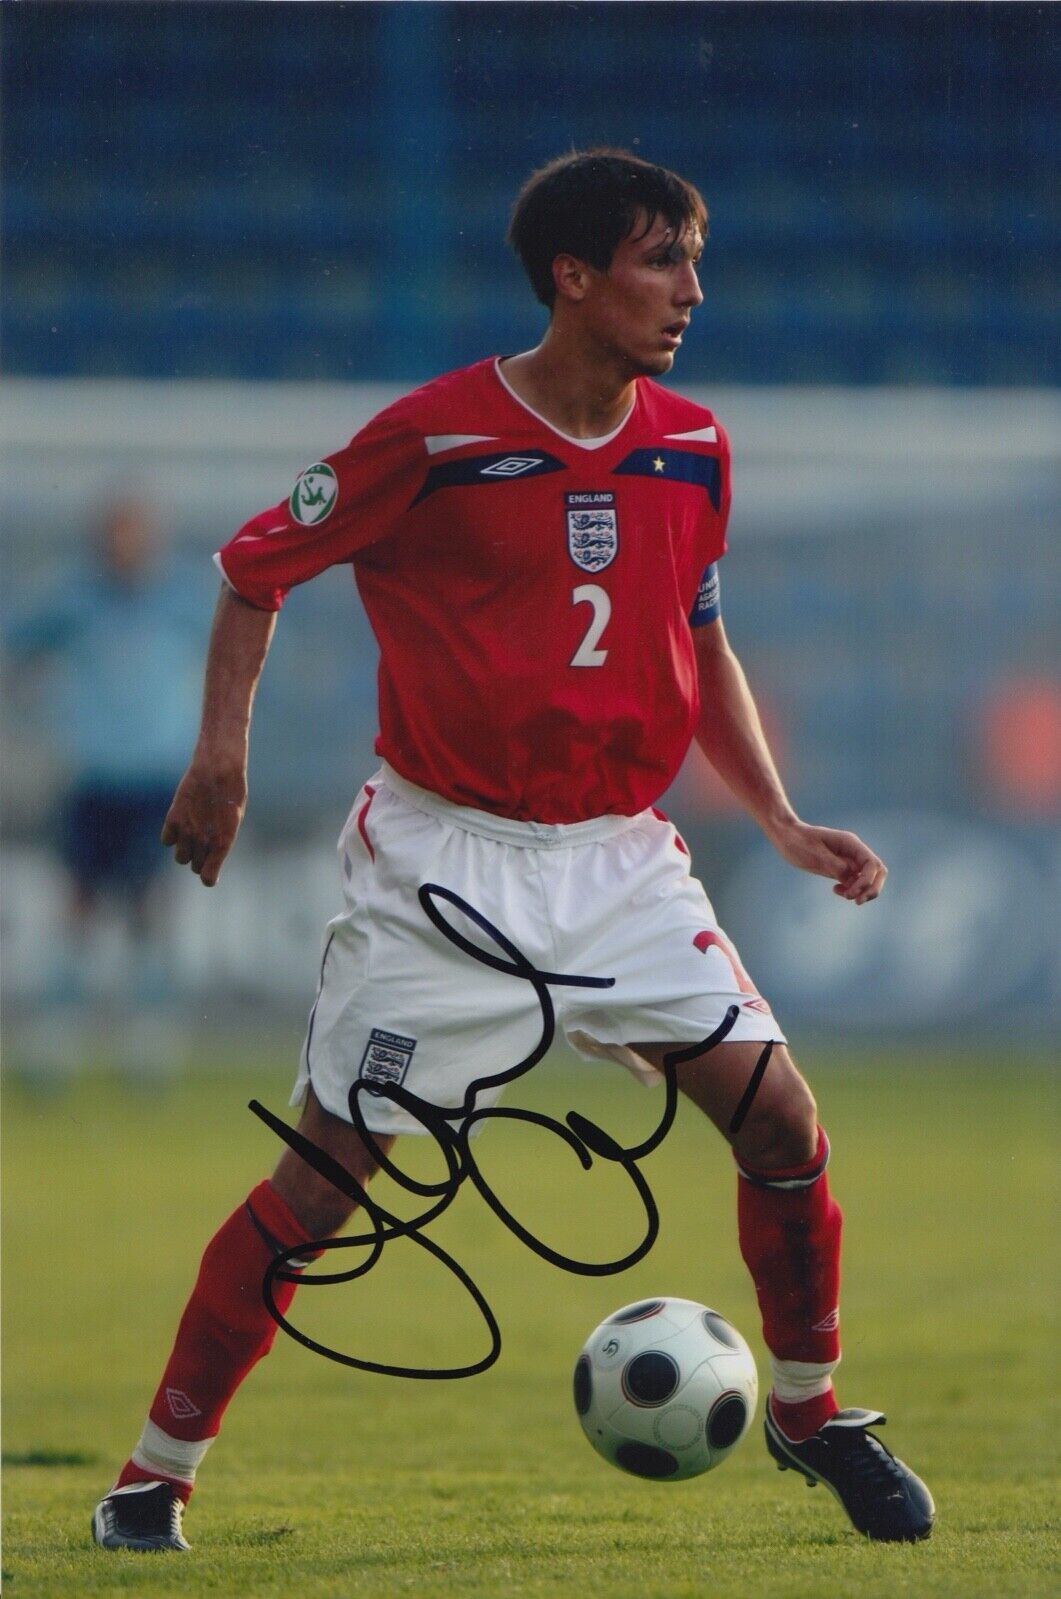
<point x="314" y="495"/>
<point x="387" y="1056"/>
<point x="592" y="529"/>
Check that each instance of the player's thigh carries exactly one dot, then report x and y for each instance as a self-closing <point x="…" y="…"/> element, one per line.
<point x="770" y="1123"/>
<point x="404" y="1002"/>
<point x="320" y="1206"/>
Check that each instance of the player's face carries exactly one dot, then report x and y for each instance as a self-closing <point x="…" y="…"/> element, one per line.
<point x="641" y="306"/>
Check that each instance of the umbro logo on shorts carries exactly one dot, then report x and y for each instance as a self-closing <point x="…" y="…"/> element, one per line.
<point x="387" y="1057"/>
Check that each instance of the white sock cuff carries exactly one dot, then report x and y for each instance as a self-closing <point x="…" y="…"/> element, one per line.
<point x="796" y="1380"/>
<point x="173" y="1457"/>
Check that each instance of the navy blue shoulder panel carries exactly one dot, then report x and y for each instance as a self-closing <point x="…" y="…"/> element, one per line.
<point x="668" y="465"/>
<point x="500" y="466"/>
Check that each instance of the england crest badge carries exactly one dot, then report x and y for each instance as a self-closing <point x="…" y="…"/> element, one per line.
<point x="592" y="529"/>
<point x="387" y="1057"/>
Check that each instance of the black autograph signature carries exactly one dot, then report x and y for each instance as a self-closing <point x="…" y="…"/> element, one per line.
<point x="581" y="1135"/>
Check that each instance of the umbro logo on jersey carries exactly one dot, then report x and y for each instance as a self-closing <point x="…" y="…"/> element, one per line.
<point x="314" y="495"/>
<point x="483" y="471"/>
<point x="511" y="466"/>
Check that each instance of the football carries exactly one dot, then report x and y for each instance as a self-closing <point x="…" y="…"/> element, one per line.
<point x="665" y="1388"/>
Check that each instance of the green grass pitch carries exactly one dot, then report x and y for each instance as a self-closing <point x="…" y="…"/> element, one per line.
<point x="331" y="1482"/>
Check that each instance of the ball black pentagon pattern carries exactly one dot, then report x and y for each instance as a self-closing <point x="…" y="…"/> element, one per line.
<point x="720" y="1328"/>
<point x="726" y="1421"/>
<point x="645" y="1460"/>
<point x="583" y="1384"/>
<point x="650" y="1378"/>
<point x="639" y="1312"/>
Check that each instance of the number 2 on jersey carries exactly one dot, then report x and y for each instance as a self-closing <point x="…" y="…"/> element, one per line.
<point x="587" y="653"/>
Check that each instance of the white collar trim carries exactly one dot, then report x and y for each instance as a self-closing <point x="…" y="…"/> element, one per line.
<point x="583" y="444"/>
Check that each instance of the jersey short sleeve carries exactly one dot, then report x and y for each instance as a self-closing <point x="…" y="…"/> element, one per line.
<point x="338" y="506"/>
<point x="725" y="492"/>
<point x="707" y="607"/>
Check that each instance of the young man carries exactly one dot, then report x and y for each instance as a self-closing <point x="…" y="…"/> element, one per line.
<point x="535" y="540"/>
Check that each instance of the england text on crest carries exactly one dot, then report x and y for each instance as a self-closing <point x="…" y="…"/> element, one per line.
<point x="592" y="529"/>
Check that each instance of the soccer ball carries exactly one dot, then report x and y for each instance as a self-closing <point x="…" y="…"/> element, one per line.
<point x="665" y="1388"/>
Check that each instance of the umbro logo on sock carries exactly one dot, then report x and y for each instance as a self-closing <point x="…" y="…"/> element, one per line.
<point x="180" y="1405"/>
<point x="828" y="1323"/>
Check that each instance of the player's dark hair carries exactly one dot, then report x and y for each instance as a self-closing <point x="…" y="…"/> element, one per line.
<point x="585" y="203"/>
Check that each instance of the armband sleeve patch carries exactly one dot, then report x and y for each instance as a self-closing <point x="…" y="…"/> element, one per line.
<point x="708" y="606"/>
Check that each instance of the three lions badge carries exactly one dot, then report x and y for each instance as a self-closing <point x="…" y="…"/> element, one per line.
<point x="592" y="529"/>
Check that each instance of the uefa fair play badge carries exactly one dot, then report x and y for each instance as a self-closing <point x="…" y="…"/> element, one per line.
<point x="314" y="495"/>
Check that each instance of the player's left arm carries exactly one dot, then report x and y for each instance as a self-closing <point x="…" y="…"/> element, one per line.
<point x="731" y="736"/>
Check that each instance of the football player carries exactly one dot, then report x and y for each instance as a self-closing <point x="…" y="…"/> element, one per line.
<point x="536" y="541"/>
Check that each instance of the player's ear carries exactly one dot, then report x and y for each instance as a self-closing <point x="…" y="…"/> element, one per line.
<point x="571" y="277"/>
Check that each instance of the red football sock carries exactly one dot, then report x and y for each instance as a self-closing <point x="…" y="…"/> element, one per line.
<point x="224" y="1331"/>
<point x="131" y="1472"/>
<point x="789" y="1227"/>
<point x="803" y="1419"/>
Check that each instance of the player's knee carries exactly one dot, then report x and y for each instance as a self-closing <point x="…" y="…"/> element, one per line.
<point x="782" y="1130"/>
<point x="317" y="1204"/>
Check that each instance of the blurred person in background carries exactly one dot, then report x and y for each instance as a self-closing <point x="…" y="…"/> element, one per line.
<point x="121" y="641"/>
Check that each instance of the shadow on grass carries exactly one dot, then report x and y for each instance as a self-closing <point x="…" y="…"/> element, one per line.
<point x="266" y="1536"/>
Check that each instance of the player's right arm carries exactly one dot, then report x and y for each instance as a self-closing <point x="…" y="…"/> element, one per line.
<point x="338" y="506"/>
<point x="207" y="809"/>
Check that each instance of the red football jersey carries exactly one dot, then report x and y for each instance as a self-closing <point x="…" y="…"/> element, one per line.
<point x="530" y="592"/>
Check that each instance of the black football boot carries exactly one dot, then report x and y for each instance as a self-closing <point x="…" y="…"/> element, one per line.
<point x="145" y="1515"/>
<point x="883" y="1497"/>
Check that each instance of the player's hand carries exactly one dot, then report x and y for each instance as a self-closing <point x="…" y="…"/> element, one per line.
<point x="202" y="823"/>
<point x="858" y="874"/>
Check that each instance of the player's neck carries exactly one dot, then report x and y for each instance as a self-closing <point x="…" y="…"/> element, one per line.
<point x="578" y="395"/>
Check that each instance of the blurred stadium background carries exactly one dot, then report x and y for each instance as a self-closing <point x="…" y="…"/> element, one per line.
<point x="232" y="232"/>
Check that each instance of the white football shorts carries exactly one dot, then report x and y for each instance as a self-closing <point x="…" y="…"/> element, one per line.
<point x="462" y="930"/>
